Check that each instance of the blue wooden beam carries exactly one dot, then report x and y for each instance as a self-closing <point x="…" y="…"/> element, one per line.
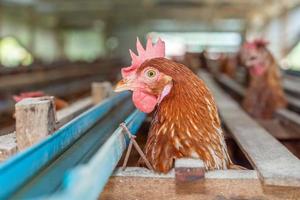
<point x="87" y="181"/>
<point x="20" y="168"/>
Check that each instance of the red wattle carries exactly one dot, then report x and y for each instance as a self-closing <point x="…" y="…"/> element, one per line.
<point x="143" y="101"/>
<point x="257" y="70"/>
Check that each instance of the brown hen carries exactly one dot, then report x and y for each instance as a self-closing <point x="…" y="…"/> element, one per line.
<point x="186" y="121"/>
<point x="264" y="94"/>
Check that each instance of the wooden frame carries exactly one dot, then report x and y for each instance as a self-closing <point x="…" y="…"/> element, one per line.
<point x="273" y="162"/>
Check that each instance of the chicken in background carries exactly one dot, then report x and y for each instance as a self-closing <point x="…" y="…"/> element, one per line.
<point x="192" y="60"/>
<point x="59" y="103"/>
<point x="228" y="65"/>
<point x="203" y="60"/>
<point x="264" y="94"/>
<point x="185" y="121"/>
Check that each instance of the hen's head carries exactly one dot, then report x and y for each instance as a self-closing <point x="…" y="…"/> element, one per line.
<point x="255" y="56"/>
<point x="149" y="84"/>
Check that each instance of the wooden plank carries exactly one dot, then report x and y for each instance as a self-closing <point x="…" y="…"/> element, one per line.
<point x="216" y="174"/>
<point x="278" y="130"/>
<point x="294" y="103"/>
<point x="292" y="85"/>
<point x="88" y="181"/>
<point x="51" y="147"/>
<point x="274" y="163"/>
<point x="292" y="116"/>
<point x="231" y="84"/>
<point x="216" y="189"/>
<point x="290" y="119"/>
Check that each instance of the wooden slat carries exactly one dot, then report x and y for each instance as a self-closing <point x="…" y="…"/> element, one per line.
<point x="294" y="103"/>
<point x="232" y="85"/>
<point x="292" y="85"/>
<point x="274" y="163"/>
<point x="292" y="116"/>
<point x="290" y="119"/>
<point x="216" y="174"/>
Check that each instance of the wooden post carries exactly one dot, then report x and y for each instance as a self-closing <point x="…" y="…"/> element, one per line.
<point x="189" y="169"/>
<point x="101" y="91"/>
<point x="35" y="120"/>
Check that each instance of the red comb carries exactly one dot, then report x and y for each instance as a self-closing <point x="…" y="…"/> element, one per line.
<point x="151" y="51"/>
<point x="256" y="43"/>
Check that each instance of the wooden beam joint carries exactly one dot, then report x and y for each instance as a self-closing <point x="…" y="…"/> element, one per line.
<point x="189" y="169"/>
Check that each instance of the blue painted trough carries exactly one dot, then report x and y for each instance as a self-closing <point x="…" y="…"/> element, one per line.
<point x="77" y="160"/>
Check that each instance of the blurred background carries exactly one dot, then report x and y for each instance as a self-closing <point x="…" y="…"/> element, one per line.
<point x="60" y="47"/>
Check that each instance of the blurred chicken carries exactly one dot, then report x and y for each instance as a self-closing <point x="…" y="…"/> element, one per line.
<point x="228" y="65"/>
<point x="264" y="94"/>
<point x="59" y="103"/>
<point x="185" y="121"/>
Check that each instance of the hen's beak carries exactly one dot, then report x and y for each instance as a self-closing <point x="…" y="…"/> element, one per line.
<point x="122" y="85"/>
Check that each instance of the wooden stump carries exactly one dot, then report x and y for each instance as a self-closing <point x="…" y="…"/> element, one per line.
<point x="101" y="91"/>
<point x="35" y="120"/>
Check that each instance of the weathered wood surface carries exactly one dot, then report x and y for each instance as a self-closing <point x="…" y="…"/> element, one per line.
<point x="216" y="174"/>
<point x="294" y="103"/>
<point x="290" y="119"/>
<point x="274" y="163"/>
<point x="189" y="169"/>
<point x="100" y="91"/>
<point x="35" y="120"/>
<point x="8" y="146"/>
<point x="232" y="85"/>
<point x="133" y="188"/>
<point x="278" y="130"/>
<point x="292" y="84"/>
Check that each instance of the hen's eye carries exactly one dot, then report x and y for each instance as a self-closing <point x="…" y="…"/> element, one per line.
<point x="150" y="73"/>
